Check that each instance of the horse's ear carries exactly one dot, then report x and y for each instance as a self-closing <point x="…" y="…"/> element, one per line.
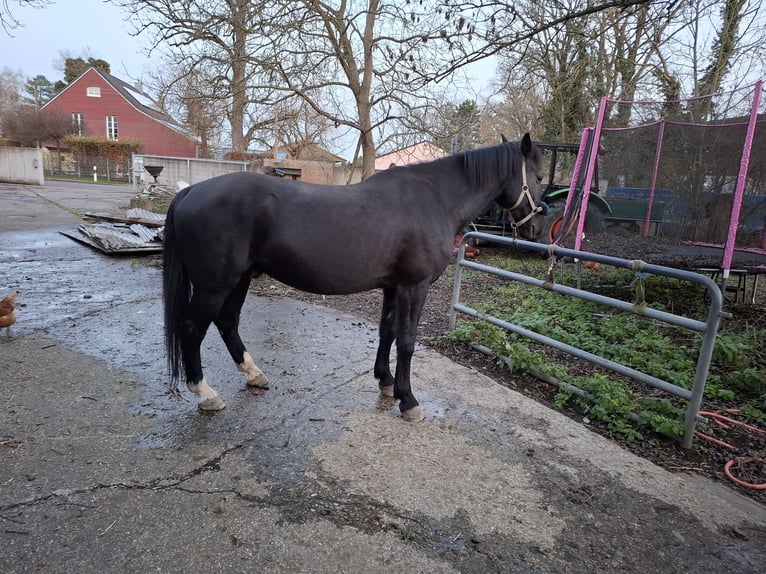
<point x="503" y="138"/>
<point x="526" y="144"/>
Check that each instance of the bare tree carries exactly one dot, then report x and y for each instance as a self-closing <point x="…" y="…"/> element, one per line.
<point x="27" y="126"/>
<point x="687" y="48"/>
<point x="183" y="93"/>
<point x="379" y="58"/>
<point x="55" y="125"/>
<point x="220" y="43"/>
<point x="518" y="112"/>
<point x="718" y="40"/>
<point x="359" y="63"/>
<point x="576" y="62"/>
<point x="11" y="88"/>
<point x="299" y="129"/>
<point x="21" y="125"/>
<point x="453" y="123"/>
<point x="8" y="21"/>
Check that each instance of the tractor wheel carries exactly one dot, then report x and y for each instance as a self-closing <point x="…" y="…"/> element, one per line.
<point x="553" y="221"/>
<point x="594" y="221"/>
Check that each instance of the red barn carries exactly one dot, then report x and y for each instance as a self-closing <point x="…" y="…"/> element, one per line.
<point x="104" y="106"/>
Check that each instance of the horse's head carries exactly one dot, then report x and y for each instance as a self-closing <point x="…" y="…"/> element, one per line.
<point x="521" y="193"/>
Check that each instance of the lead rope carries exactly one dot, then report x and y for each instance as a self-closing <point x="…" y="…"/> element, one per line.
<point x="535" y="210"/>
<point x="551" y="263"/>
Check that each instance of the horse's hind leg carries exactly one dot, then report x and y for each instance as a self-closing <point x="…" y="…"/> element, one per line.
<point x="227" y="323"/>
<point x="386" y="331"/>
<point x="202" y="310"/>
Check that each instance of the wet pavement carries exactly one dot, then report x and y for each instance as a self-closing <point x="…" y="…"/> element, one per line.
<point x="103" y="470"/>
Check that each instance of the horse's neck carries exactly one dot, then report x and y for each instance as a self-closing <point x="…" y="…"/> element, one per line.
<point x="462" y="202"/>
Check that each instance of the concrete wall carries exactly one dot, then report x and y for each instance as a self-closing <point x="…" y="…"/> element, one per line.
<point x="21" y="165"/>
<point x="175" y="169"/>
<point x="191" y="170"/>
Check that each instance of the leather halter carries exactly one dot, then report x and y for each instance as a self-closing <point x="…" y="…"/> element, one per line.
<point x="525" y="194"/>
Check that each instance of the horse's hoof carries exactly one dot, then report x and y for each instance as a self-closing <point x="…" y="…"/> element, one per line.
<point x="413" y="415"/>
<point x="387" y="390"/>
<point x="212" y="404"/>
<point x="255" y="391"/>
<point x="259" y="381"/>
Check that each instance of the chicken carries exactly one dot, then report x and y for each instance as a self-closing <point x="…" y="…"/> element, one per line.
<point x="471" y="252"/>
<point x="7" y="315"/>
<point x="8" y="304"/>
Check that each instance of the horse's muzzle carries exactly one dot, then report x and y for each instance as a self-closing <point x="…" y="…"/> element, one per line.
<point x="532" y="229"/>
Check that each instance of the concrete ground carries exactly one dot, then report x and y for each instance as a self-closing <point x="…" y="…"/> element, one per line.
<point x="103" y="470"/>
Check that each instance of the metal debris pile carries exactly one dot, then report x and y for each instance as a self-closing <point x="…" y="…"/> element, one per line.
<point x="139" y="231"/>
<point x="155" y="191"/>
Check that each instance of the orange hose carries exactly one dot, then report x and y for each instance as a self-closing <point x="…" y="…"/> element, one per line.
<point x="715" y="441"/>
<point x="727" y="471"/>
<point x="718" y="417"/>
<point x="720" y="420"/>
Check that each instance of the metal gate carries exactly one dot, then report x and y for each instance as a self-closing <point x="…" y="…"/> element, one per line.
<point x="708" y="328"/>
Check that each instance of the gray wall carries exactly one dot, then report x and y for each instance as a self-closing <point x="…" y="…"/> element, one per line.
<point x="175" y="169"/>
<point x="21" y="165"/>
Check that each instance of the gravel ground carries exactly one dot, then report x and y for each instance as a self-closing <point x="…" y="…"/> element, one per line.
<point x="704" y="458"/>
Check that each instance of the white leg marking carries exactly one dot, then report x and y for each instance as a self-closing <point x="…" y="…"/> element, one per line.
<point x="255" y="376"/>
<point x="207" y="397"/>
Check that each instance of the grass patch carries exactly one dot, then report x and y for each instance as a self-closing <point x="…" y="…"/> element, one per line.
<point x="85" y="180"/>
<point x="737" y="376"/>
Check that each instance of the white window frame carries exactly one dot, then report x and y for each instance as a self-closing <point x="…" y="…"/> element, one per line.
<point x="78" y="121"/>
<point x="112" y="128"/>
<point x="93" y="91"/>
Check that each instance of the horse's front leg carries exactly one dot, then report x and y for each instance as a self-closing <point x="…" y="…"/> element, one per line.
<point x="386" y="333"/>
<point x="408" y="307"/>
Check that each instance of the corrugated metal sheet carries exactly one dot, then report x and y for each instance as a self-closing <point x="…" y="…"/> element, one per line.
<point x="123" y="235"/>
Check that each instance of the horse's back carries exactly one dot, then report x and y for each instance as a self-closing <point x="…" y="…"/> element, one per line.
<point x="319" y="238"/>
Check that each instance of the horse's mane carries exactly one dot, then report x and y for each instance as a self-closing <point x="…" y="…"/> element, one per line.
<point x="494" y="163"/>
<point x="482" y="166"/>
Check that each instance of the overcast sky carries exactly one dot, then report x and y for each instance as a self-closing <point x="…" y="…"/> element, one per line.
<point x="85" y="28"/>
<point x="82" y="28"/>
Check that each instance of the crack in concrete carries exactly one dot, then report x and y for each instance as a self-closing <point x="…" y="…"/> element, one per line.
<point x="157" y="484"/>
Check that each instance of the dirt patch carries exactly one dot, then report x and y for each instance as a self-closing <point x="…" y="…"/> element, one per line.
<point x="705" y="458"/>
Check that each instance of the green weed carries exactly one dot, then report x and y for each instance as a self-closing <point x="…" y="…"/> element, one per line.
<point x="737" y="376"/>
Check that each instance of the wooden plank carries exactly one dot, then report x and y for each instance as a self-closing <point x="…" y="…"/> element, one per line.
<point x="115" y="219"/>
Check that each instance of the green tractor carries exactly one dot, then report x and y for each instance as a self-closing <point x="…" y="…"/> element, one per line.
<point x="555" y="190"/>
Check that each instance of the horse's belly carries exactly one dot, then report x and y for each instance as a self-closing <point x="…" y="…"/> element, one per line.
<point x="327" y="272"/>
<point x="326" y="283"/>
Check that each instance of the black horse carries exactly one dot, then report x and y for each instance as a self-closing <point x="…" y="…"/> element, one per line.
<point x="393" y="231"/>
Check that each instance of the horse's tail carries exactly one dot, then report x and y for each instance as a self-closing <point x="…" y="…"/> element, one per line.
<point x="176" y="292"/>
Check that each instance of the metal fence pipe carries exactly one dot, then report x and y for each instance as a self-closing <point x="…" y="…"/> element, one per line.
<point x="580" y="353"/>
<point x="680" y="321"/>
<point x="708" y="328"/>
